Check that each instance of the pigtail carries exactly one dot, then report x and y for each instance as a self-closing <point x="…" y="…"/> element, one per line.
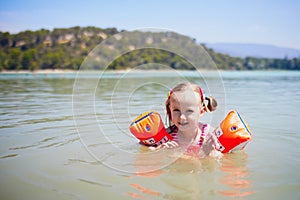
<point x="168" y="111"/>
<point x="211" y="104"/>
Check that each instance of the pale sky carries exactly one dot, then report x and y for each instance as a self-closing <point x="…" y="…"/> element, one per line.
<point x="275" y="22"/>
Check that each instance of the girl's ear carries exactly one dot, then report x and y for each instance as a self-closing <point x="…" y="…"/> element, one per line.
<point x="202" y="110"/>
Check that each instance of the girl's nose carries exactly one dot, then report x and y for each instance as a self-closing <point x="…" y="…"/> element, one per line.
<point x="182" y="116"/>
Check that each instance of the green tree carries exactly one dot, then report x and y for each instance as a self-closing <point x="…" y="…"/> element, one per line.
<point x="14" y="59"/>
<point x="28" y="58"/>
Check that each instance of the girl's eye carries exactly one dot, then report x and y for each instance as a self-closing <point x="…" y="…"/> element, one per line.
<point x="190" y="111"/>
<point x="176" y="110"/>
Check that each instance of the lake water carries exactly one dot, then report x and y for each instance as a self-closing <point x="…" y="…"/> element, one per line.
<point x="65" y="136"/>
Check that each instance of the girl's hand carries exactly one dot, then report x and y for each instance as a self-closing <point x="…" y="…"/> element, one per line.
<point x="168" y="145"/>
<point x="210" y="145"/>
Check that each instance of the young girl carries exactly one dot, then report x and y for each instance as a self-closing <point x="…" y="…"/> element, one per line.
<point x="186" y="105"/>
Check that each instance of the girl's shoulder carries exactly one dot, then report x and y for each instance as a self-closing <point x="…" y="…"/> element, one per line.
<point x="205" y="128"/>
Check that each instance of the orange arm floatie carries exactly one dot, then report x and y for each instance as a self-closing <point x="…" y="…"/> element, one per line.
<point x="149" y="129"/>
<point x="233" y="133"/>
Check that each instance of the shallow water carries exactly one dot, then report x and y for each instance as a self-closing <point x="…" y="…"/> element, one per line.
<point x="65" y="136"/>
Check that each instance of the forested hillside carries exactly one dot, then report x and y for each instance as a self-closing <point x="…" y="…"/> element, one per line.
<point x="66" y="49"/>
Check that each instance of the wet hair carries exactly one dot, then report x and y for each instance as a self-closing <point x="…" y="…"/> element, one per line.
<point x="210" y="103"/>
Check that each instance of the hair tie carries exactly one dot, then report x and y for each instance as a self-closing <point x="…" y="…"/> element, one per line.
<point x="169" y="93"/>
<point x="202" y="95"/>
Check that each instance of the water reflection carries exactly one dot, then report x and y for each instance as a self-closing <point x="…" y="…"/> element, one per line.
<point x="193" y="178"/>
<point x="185" y="178"/>
<point x="144" y="191"/>
<point x="235" y="175"/>
<point x="147" y="167"/>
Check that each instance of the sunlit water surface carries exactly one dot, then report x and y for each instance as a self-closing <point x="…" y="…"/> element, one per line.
<point x="65" y="136"/>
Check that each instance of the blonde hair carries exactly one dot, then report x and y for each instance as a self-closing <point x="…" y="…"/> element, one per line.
<point x="210" y="106"/>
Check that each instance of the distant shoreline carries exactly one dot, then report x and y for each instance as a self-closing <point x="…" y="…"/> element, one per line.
<point x="60" y="71"/>
<point x="45" y="71"/>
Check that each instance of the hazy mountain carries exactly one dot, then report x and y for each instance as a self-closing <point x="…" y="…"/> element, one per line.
<point x="254" y="50"/>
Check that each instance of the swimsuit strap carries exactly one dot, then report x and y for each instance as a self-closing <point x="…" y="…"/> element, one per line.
<point x="173" y="133"/>
<point x="204" y="131"/>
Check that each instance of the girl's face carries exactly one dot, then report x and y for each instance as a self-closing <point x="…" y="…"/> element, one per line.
<point x="186" y="110"/>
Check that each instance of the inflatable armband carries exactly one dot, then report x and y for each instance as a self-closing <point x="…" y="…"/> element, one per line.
<point x="233" y="133"/>
<point x="149" y="129"/>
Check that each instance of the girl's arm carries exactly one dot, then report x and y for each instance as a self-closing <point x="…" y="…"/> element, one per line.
<point x="168" y="145"/>
<point x="210" y="146"/>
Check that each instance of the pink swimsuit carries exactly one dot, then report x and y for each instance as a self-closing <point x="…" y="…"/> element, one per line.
<point x="193" y="148"/>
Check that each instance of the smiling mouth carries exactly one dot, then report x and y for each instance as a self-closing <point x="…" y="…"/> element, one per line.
<point x="183" y="123"/>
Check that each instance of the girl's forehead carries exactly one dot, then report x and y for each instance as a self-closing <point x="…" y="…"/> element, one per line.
<point x="185" y="98"/>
